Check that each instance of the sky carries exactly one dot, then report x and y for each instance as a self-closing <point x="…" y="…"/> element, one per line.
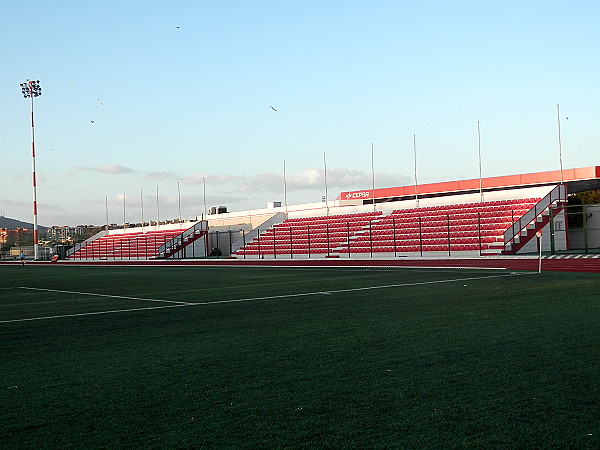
<point x="176" y="96"/>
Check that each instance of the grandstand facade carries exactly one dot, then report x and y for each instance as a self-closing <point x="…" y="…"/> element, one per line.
<point x="509" y="215"/>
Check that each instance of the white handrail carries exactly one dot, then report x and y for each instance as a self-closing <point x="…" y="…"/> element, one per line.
<point x="172" y="243"/>
<point x="559" y="193"/>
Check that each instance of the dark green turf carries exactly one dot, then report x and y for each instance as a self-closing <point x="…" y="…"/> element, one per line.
<point x="502" y="362"/>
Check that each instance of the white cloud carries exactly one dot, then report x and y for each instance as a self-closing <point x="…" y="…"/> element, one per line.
<point x="160" y="175"/>
<point x="196" y="179"/>
<point x="308" y="179"/>
<point x="109" y="168"/>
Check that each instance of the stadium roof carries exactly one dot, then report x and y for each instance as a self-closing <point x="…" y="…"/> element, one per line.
<point x="577" y="180"/>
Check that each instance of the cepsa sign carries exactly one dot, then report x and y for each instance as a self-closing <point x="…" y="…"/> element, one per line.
<point x="355" y="195"/>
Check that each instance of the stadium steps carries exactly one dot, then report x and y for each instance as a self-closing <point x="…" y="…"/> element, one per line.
<point x="181" y="241"/>
<point x="532" y="229"/>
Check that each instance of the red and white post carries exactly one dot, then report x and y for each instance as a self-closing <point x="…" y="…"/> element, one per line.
<point x="32" y="89"/>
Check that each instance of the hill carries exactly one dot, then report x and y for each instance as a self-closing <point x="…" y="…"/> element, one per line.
<point x="11" y="224"/>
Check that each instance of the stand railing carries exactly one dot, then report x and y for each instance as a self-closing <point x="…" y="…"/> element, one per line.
<point x="559" y="193"/>
<point x="179" y="242"/>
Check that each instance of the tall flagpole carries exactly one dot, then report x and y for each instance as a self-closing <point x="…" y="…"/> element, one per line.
<point x="179" y="202"/>
<point x="204" y="194"/>
<point x="142" y="207"/>
<point x="157" y="210"/>
<point x="124" y="221"/>
<point x="326" y="196"/>
<point x="373" y="174"/>
<point x="285" y="190"/>
<point x="415" y="157"/>
<point x="479" y="152"/>
<point x="559" y="144"/>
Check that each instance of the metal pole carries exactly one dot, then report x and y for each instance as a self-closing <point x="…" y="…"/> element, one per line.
<point x="371" y="237"/>
<point x="204" y="194"/>
<point x="142" y="208"/>
<point x="291" y="244"/>
<point x="285" y="191"/>
<point x="373" y="174"/>
<point x="551" y="222"/>
<point x="258" y="241"/>
<point x="327" y="229"/>
<point x="124" y="220"/>
<point x="448" y="224"/>
<point x="244" y="240"/>
<point x="420" y="236"/>
<point x="585" y="228"/>
<point x="539" y="240"/>
<point x="479" y="151"/>
<point x="157" y="210"/>
<point x="394" y="225"/>
<point x="326" y="196"/>
<point x="31" y="89"/>
<point x="348" y="236"/>
<point x="559" y="144"/>
<point x="415" y="157"/>
<point x="179" y="202"/>
<point x="308" y="234"/>
<point x="479" y="231"/>
<point x="35" y="224"/>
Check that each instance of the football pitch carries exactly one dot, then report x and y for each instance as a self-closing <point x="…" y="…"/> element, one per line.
<point x="275" y="357"/>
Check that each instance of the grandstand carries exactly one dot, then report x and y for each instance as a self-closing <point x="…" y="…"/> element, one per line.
<point x="171" y="241"/>
<point x="477" y="217"/>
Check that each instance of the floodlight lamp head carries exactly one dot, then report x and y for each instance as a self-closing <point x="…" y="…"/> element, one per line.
<point x="31" y="89"/>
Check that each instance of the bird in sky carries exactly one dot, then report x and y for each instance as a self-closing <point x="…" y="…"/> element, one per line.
<point x="100" y="102"/>
<point x="179" y="28"/>
<point x="92" y="121"/>
<point x="273" y="109"/>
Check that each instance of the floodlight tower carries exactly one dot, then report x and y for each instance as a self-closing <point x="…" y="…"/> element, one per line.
<point x="32" y="89"/>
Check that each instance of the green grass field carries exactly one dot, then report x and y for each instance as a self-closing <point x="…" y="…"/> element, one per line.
<point x="240" y="357"/>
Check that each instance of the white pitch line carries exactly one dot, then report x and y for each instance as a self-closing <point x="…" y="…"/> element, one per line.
<point x="239" y="300"/>
<point x="368" y="288"/>
<point x="94" y="313"/>
<point x="106" y="295"/>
